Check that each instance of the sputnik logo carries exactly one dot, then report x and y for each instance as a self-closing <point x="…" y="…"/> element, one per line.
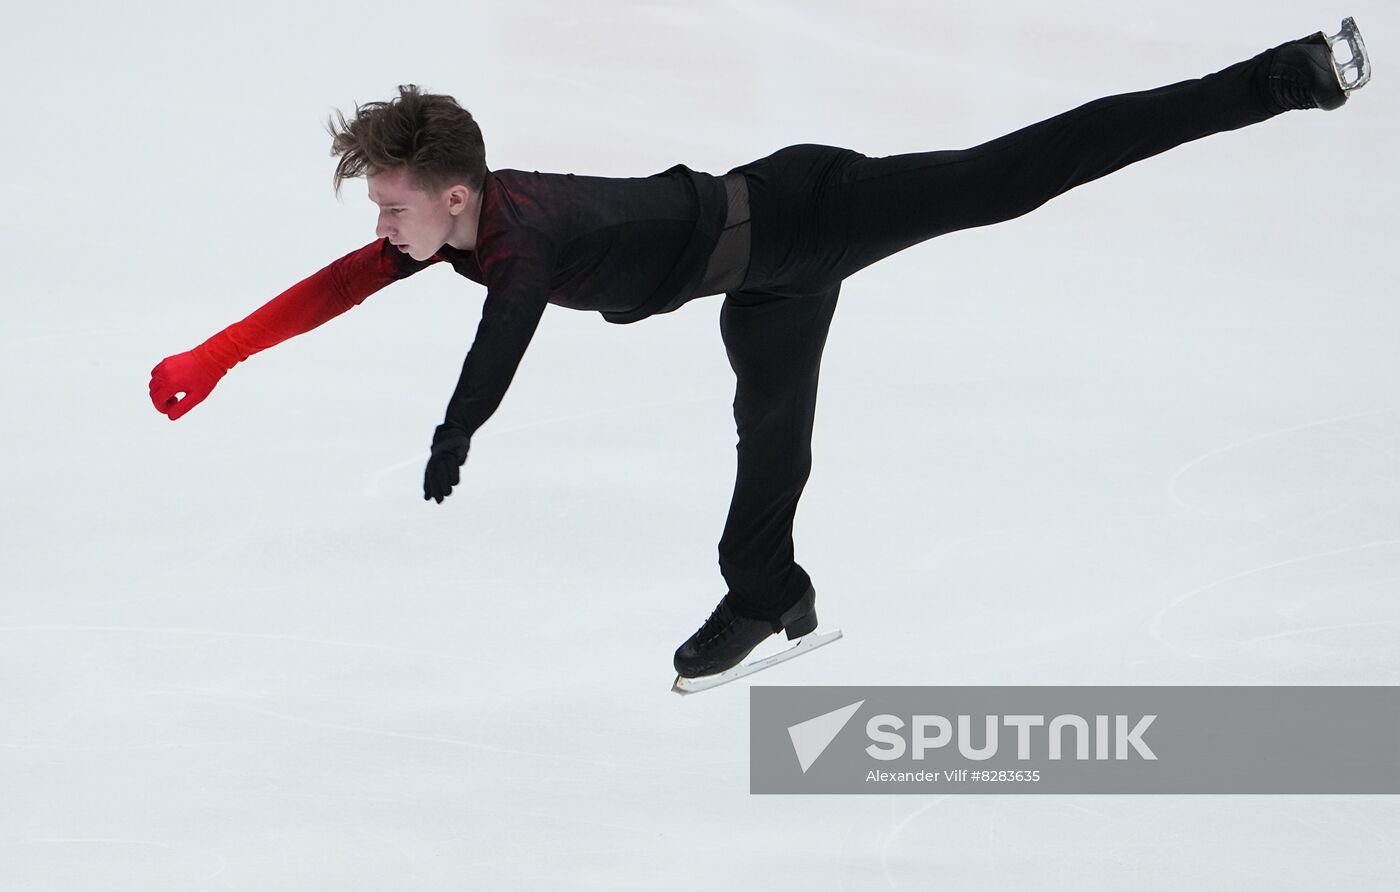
<point x="811" y="738"/>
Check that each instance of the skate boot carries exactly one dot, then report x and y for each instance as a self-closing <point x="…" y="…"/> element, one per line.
<point x="727" y="637"/>
<point x="1306" y="74"/>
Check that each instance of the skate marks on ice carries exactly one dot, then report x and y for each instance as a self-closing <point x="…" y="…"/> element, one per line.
<point x="1391" y="452"/>
<point x="269" y="670"/>
<point x="291" y="725"/>
<point x="1315" y="505"/>
<point x="893" y="834"/>
<point x="377" y="483"/>
<point x="372" y="690"/>
<point x="75" y="862"/>
<point x="1155" y="626"/>
<point x="1083" y="842"/>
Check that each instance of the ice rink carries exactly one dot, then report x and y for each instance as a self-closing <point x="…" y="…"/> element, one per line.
<point x="1148" y="434"/>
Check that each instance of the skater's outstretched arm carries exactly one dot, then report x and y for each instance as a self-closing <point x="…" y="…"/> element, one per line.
<point x="514" y="304"/>
<point x="343" y="284"/>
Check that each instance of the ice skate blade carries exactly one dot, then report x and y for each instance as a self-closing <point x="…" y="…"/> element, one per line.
<point x="808" y="642"/>
<point x="1359" y="63"/>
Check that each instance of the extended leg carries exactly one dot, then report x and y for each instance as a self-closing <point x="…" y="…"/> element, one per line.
<point x="893" y="202"/>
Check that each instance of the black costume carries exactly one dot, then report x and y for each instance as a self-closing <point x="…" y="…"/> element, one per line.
<point x="777" y="236"/>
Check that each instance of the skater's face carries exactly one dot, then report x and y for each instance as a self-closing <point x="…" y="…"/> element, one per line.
<point x="418" y="223"/>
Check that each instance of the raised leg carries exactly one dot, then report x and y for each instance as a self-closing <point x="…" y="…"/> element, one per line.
<point x="890" y="203"/>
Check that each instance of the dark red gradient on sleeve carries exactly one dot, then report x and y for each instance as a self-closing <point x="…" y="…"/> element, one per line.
<point x="343" y="284"/>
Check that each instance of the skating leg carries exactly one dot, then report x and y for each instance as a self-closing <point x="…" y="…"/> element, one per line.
<point x="775" y="347"/>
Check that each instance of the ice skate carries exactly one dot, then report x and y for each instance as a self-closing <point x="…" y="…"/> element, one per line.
<point x="1306" y="73"/>
<point x="714" y="654"/>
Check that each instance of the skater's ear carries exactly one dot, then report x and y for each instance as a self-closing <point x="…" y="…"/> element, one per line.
<point x="460" y="198"/>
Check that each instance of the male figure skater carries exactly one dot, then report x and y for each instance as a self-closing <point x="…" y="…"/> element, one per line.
<point x="775" y="236"/>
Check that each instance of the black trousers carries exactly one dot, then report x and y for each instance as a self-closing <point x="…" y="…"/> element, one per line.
<point x="820" y="213"/>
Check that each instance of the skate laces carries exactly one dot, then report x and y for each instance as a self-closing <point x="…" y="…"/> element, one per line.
<point x="720" y="618"/>
<point x="1290" y="88"/>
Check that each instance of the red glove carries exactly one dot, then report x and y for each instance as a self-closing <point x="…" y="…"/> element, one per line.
<point x="184" y="373"/>
<point x="312" y="301"/>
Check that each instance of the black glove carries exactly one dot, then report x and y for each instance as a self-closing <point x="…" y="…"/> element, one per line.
<point x="450" y="445"/>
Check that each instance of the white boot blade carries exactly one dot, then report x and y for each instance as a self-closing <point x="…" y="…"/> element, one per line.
<point x="1360" y="61"/>
<point x="808" y="642"/>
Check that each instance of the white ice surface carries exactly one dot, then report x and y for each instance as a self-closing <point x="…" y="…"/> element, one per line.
<point x="1148" y="434"/>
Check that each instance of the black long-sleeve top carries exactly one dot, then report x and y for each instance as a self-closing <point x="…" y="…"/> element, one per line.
<point x="627" y="247"/>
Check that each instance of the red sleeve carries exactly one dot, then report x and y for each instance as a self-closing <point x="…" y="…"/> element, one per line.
<point x="343" y="284"/>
